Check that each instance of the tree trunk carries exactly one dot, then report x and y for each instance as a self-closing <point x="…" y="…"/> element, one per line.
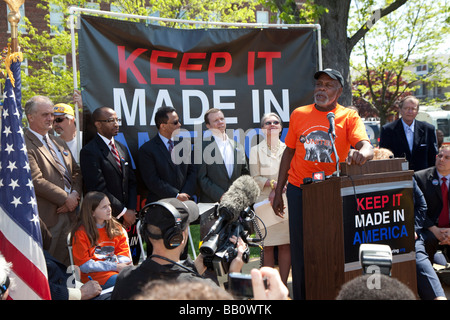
<point x="335" y="53"/>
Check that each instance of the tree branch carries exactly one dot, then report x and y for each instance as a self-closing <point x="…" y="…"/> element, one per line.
<point x="365" y="28"/>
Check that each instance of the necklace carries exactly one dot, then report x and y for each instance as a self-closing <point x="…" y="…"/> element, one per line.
<point x="273" y="149"/>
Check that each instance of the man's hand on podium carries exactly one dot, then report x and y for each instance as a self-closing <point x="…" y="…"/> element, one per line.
<point x="363" y="152"/>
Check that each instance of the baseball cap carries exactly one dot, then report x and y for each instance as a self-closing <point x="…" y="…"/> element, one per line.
<point x="159" y="216"/>
<point x="63" y="109"/>
<point x="333" y="74"/>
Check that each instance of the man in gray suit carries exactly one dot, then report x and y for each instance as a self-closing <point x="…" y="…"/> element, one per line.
<point x="223" y="160"/>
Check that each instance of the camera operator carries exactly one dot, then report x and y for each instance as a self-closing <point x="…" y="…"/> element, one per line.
<point x="165" y="226"/>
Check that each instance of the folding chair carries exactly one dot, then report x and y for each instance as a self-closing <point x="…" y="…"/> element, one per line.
<point x="72" y="267"/>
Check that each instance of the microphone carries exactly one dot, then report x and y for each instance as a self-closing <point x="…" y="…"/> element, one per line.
<point x="242" y="193"/>
<point x="330" y="117"/>
<point x="332" y="135"/>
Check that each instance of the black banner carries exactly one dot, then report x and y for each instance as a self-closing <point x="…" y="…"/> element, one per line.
<point x="135" y="68"/>
<point x="379" y="214"/>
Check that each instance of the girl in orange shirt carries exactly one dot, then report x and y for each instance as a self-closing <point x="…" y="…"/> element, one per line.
<point x="99" y="242"/>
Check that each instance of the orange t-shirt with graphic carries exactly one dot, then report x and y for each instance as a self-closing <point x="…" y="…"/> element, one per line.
<point x="107" y="250"/>
<point x="308" y="135"/>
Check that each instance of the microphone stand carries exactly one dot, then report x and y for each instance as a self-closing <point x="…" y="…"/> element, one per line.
<point x="332" y="138"/>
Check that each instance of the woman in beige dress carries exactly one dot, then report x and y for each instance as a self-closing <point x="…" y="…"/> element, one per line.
<point x="264" y="165"/>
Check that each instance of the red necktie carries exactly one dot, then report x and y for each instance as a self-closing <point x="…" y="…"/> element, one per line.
<point x="115" y="154"/>
<point x="170" y="146"/>
<point x="444" y="216"/>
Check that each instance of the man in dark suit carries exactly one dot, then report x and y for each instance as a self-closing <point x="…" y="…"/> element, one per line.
<point x="55" y="174"/>
<point x="106" y="166"/>
<point x="223" y="159"/>
<point x="166" y="172"/>
<point x="434" y="183"/>
<point x="407" y="137"/>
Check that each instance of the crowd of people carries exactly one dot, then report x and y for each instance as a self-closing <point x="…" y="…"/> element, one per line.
<point x="96" y="200"/>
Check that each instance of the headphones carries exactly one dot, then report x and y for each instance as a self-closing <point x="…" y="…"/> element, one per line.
<point x="173" y="236"/>
<point x="4" y="286"/>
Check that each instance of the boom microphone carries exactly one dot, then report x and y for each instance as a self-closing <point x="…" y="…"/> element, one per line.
<point x="235" y="218"/>
<point x="242" y="193"/>
<point x="330" y="117"/>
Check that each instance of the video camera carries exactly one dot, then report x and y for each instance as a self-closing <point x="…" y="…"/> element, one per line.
<point x="217" y="249"/>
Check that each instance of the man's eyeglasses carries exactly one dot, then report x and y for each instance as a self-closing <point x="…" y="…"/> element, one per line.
<point x="110" y="120"/>
<point x="442" y="157"/>
<point x="269" y="123"/>
<point x="175" y="122"/>
<point x="59" y="120"/>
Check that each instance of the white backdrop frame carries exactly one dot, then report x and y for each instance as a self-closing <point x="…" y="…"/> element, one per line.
<point x="74" y="10"/>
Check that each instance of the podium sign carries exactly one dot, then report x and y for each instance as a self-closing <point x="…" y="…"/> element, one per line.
<point x="381" y="213"/>
<point x="372" y="203"/>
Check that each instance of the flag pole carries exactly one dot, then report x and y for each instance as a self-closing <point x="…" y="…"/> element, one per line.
<point x="14" y="18"/>
<point x="13" y="47"/>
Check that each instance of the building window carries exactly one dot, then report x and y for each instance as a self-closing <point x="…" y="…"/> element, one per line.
<point x="59" y="64"/>
<point x="56" y="19"/>
<point x="422" y="67"/>
<point x="24" y="66"/>
<point x="262" y="16"/>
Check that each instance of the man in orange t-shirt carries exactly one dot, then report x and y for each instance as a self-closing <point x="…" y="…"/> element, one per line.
<point x="309" y="149"/>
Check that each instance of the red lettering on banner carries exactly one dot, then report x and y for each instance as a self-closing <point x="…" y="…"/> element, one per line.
<point x="397" y="195"/>
<point x="251" y="68"/>
<point x="186" y="66"/>
<point x="220" y="62"/>
<point x="155" y="66"/>
<point x="128" y="63"/>
<point x="213" y="68"/>
<point x="269" y="56"/>
<point x="376" y="202"/>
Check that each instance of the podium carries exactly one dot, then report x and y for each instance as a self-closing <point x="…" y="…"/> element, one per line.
<point x="372" y="203"/>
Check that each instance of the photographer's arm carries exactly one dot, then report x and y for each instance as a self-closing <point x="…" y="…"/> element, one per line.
<point x="199" y="265"/>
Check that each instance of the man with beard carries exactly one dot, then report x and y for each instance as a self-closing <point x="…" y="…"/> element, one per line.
<point x="307" y="142"/>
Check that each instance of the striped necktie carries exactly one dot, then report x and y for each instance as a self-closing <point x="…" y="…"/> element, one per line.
<point x="115" y="154"/>
<point x="170" y="142"/>
<point x="61" y="168"/>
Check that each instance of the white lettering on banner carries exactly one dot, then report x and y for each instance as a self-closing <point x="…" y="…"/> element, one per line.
<point x="196" y="97"/>
<point x="186" y="95"/>
<point x="138" y="101"/>
<point x="372" y="219"/>
<point x="269" y="100"/>
<point x="217" y="94"/>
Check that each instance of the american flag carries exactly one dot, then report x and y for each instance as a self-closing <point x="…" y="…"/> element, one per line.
<point x="20" y="234"/>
